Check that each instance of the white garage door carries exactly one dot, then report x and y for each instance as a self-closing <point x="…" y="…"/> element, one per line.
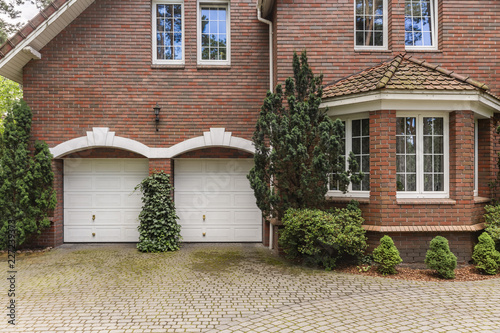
<point x="214" y="201"/>
<point x="99" y="203"/>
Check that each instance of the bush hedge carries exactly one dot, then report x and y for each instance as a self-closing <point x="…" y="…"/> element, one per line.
<point x="485" y="256"/>
<point x="492" y="221"/>
<point x="321" y="237"/>
<point x="440" y="258"/>
<point x="386" y="255"/>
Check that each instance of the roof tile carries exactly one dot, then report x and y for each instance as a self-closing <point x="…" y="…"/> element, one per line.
<point x="402" y="73"/>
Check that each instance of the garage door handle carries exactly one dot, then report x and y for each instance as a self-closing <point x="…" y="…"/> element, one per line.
<point x="93" y="217"/>
<point x="203" y="217"/>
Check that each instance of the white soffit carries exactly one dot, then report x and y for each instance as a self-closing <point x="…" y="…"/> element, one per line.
<point x="11" y="66"/>
<point x="426" y="100"/>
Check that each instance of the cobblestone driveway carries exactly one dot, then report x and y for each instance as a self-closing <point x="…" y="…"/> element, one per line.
<point x="230" y="288"/>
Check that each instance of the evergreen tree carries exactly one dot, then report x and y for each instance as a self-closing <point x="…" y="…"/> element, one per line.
<point x="26" y="180"/>
<point x="297" y="146"/>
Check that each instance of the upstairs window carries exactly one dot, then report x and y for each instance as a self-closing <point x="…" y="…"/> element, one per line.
<point x="371" y="24"/>
<point x="420" y="24"/>
<point x="168" y="32"/>
<point x="213" y="33"/>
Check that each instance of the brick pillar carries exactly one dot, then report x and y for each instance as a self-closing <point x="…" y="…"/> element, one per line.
<point x="487" y="157"/>
<point x="382" y="166"/>
<point x="161" y="164"/>
<point x="462" y="157"/>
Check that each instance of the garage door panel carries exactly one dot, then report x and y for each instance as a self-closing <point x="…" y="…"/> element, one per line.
<point x="249" y="233"/>
<point x="247" y="217"/>
<point x="243" y="200"/>
<point x="77" y="166"/>
<point x="78" y="200"/>
<point x="78" y="183"/>
<point x="222" y="193"/>
<point x="130" y="182"/>
<point x="186" y="166"/>
<point x="189" y="183"/>
<point x="78" y="234"/>
<point x="136" y="166"/>
<point x="109" y="183"/>
<point x="110" y="198"/>
<point x="133" y="200"/>
<point x="107" y="166"/>
<point x="77" y="217"/>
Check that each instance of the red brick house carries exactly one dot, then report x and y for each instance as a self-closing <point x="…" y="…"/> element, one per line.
<point x="120" y="88"/>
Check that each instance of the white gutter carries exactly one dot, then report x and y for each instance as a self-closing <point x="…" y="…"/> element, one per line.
<point x="259" y="17"/>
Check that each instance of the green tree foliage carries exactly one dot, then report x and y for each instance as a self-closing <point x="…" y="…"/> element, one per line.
<point x="297" y="146"/>
<point x="492" y="222"/>
<point x="158" y="229"/>
<point x="10" y="92"/>
<point x="485" y="256"/>
<point x="9" y="9"/>
<point x="440" y="258"/>
<point x="386" y="255"/>
<point x="26" y="180"/>
<point x="322" y="238"/>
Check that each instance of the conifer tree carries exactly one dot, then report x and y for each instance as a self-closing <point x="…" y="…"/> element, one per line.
<point x="26" y="179"/>
<point x="297" y="146"/>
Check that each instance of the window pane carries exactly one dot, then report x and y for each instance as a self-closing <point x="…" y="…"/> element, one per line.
<point x="177" y="11"/>
<point x="427" y="163"/>
<point x="168" y="21"/>
<point x="365" y="164"/>
<point x="438" y="163"/>
<point x="418" y="23"/>
<point x="401" y="182"/>
<point x="427" y="144"/>
<point x="356" y="128"/>
<point x="411" y="182"/>
<point x="411" y="144"/>
<point x="427" y="182"/>
<point x="214" y="29"/>
<point x="439" y="182"/>
<point x="365" y="185"/>
<point x="411" y="163"/>
<point x="365" y="127"/>
<point x="400" y="126"/>
<point x="411" y="126"/>
<point x="438" y="145"/>
<point x="369" y="18"/>
<point x="356" y="146"/>
<point x="365" y="144"/>
<point x="400" y="163"/>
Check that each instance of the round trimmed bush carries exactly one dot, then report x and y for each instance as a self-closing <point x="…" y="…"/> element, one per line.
<point x="485" y="256"/>
<point x="386" y="255"/>
<point x="440" y="258"/>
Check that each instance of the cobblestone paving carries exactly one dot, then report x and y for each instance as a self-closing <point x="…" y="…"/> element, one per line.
<point x="229" y="288"/>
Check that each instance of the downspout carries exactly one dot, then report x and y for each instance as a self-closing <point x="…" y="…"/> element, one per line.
<point x="259" y="17"/>
<point x="270" y="24"/>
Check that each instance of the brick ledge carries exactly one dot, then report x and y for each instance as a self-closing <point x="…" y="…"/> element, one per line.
<point x="425" y="228"/>
<point x="479" y="200"/>
<point x="422" y="201"/>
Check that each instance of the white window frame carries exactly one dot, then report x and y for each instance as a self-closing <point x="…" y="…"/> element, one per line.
<point x="348" y="148"/>
<point x="434" y="22"/>
<point x="420" y="193"/>
<point x="476" y="158"/>
<point x="219" y="3"/>
<point x="153" y="22"/>
<point x="384" y="46"/>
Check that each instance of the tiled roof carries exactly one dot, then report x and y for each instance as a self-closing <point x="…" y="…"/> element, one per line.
<point x="402" y="73"/>
<point x="32" y="24"/>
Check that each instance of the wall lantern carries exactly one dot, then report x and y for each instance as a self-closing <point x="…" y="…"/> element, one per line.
<point x="157" y="115"/>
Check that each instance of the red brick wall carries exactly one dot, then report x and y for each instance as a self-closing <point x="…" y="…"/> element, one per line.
<point x="216" y="152"/>
<point x="468" y="38"/>
<point x="98" y="73"/>
<point x="103" y="153"/>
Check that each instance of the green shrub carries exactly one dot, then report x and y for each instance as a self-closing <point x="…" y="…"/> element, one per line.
<point x="485" y="256"/>
<point x="322" y="238"/>
<point x="159" y="231"/>
<point x="492" y="221"/>
<point x="440" y="258"/>
<point x="386" y="255"/>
